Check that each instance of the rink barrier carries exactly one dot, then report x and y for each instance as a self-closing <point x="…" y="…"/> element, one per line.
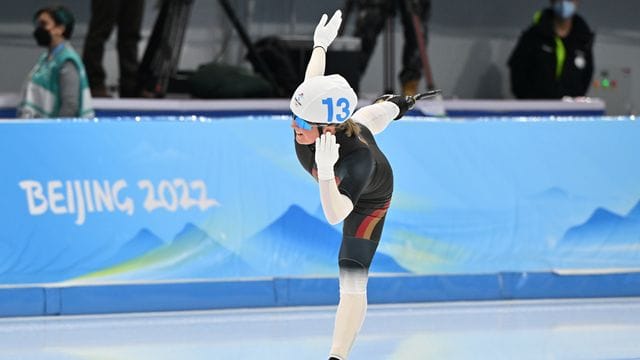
<point x="603" y="141"/>
<point x="76" y="299"/>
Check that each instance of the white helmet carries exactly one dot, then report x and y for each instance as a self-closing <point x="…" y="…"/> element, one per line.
<point x="324" y="99"/>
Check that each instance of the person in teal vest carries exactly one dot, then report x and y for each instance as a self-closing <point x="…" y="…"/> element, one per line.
<point x="57" y="85"/>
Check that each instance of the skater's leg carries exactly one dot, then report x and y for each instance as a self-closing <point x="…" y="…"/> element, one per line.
<point x="351" y="309"/>
<point x="361" y="234"/>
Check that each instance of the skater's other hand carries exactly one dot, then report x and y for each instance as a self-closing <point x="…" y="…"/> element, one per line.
<point x="326" y="32"/>
<point x="327" y="154"/>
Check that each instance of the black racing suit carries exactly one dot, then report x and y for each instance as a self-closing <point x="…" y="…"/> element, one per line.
<point x="364" y="175"/>
<point x="536" y="69"/>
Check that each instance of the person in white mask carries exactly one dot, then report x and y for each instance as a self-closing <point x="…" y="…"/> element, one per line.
<point x="336" y="145"/>
<point x="554" y="56"/>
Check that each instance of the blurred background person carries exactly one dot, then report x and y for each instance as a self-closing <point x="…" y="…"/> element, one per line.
<point x="105" y="15"/>
<point x="553" y="58"/>
<point x="57" y="85"/>
<point x="372" y="16"/>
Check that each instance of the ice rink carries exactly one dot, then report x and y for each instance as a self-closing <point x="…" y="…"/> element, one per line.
<point x="547" y="329"/>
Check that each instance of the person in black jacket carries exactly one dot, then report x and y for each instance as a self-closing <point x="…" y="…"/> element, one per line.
<point x="553" y="57"/>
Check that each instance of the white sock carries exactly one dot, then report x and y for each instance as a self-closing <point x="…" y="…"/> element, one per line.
<point x="351" y="311"/>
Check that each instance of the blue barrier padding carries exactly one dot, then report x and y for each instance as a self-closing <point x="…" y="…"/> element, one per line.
<point x="166" y="296"/>
<point x="53" y="301"/>
<point x="22" y="301"/>
<point x="306" y="291"/>
<point x="203" y="295"/>
<point x="433" y="288"/>
<point x="550" y="285"/>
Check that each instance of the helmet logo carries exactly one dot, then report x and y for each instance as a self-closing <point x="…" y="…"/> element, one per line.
<point x="298" y="98"/>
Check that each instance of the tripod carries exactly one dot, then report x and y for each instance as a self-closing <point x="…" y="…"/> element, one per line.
<point x="160" y="61"/>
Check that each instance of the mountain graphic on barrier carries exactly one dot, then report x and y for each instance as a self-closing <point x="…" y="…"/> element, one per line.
<point x="605" y="225"/>
<point x="144" y="242"/>
<point x="605" y="238"/>
<point x="192" y="254"/>
<point x="66" y="261"/>
<point x="297" y="243"/>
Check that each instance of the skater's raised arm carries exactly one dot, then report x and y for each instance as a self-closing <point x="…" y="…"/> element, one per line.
<point x="378" y="116"/>
<point x="323" y="36"/>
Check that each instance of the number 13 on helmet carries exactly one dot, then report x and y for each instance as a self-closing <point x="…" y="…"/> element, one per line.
<point x="324" y="99"/>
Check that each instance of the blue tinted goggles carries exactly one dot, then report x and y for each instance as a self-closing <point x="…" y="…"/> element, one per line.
<point x="302" y="124"/>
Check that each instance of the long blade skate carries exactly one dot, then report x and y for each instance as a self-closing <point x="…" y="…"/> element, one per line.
<point x="427" y="95"/>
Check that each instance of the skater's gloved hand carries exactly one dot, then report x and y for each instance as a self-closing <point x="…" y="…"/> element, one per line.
<point x="326" y="155"/>
<point x="326" y="32"/>
<point x="404" y="103"/>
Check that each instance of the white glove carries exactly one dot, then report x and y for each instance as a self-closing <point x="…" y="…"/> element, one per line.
<point x="326" y="155"/>
<point x="325" y="32"/>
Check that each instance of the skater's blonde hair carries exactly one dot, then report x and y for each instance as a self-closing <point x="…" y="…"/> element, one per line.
<point x="349" y="127"/>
